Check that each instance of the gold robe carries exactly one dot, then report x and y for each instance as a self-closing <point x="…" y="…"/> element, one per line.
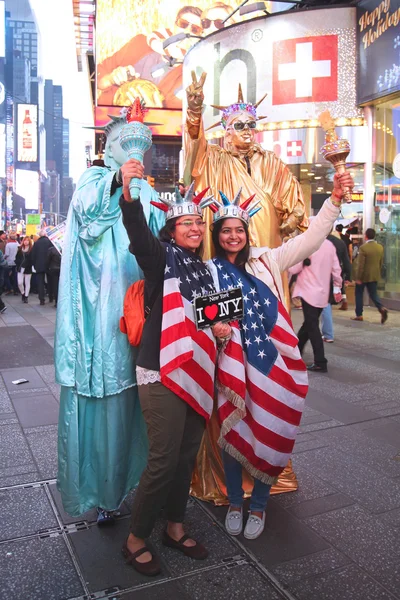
<point x="265" y="175"/>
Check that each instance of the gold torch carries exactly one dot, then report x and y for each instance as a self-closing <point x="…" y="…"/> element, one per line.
<point x="335" y="150"/>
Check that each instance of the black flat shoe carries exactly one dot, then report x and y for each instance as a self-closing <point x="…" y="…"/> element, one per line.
<point x="317" y="369"/>
<point x="150" y="568"/>
<point x="198" y="552"/>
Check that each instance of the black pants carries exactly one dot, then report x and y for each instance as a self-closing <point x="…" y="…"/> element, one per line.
<point x="310" y="331"/>
<point x="53" y="279"/>
<point x="40" y="280"/>
<point x="175" y="431"/>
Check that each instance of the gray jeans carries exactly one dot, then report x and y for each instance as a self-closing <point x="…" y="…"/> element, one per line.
<point x="175" y="431"/>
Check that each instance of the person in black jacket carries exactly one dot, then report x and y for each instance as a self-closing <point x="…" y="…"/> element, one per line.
<point x="39" y="261"/>
<point x="53" y="272"/>
<point x="326" y="315"/>
<point x="23" y="262"/>
<point x="174" y="412"/>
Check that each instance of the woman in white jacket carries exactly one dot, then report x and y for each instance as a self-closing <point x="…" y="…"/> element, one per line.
<point x="261" y="378"/>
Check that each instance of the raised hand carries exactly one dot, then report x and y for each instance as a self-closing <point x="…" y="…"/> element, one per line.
<point x="131" y="169"/>
<point x="195" y="94"/>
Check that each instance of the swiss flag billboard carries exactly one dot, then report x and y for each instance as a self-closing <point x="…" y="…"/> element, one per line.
<point x="305" y="70"/>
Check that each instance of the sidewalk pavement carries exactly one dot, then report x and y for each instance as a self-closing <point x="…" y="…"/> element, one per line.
<point x="337" y="538"/>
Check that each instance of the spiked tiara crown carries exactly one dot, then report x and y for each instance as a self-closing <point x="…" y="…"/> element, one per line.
<point x="239" y="106"/>
<point x="227" y="209"/>
<point x="187" y="205"/>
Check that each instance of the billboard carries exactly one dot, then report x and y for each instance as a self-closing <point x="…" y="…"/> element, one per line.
<point x="378" y="43"/>
<point x="169" y="122"/>
<point x="27" y="186"/>
<point x="131" y="60"/>
<point x="304" y="61"/>
<point x="27" y="133"/>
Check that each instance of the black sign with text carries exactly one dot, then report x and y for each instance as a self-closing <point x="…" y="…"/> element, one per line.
<point x="378" y="40"/>
<point x="218" y="308"/>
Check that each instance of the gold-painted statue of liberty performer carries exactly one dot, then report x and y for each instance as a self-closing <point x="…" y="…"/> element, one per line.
<point x="241" y="163"/>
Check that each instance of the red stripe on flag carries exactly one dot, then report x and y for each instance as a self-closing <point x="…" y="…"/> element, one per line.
<point x="286" y="381"/>
<point x="283" y="336"/>
<point x="273" y="406"/>
<point x="232" y="437"/>
<point x="294" y="364"/>
<point x="234" y="350"/>
<point x="232" y="383"/>
<point x="175" y="363"/>
<point x="284" y="313"/>
<point x="202" y="339"/>
<point x="225" y="411"/>
<point x="181" y="393"/>
<point x="173" y="333"/>
<point x="200" y="376"/>
<point x="267" y="437"/>
<point x="171" y="301"/>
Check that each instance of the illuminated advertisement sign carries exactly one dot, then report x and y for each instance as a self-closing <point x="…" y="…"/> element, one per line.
<point x="27" y="133"/>
<point x="130" y="38"/>
<point x="304" y="61"/>
<point x="378" y="42"/>
<point x="27" y="186"/>
<point x="2" y="30"/>
<point x="170" y="121"/>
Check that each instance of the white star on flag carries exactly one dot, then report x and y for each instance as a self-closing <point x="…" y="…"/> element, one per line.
<point x="240" y="283"/>
<point x="247" y="342"/>
<point x="250" y="312"/>
<point x="244" y="327"/>
<point x="258" y="339"/>
<point x="245" y="298"/>
<point x="254" y="325"/>
<point x="257" y="304"/>
<point x="219" y="265"/>
<point x="267" y="302"/>
<point x="225" y="276"/>
<point x="167" y="269"/>
<point x="188" y="279"/>
<point x="253" y="291"/>
<point x="261" y="354"/>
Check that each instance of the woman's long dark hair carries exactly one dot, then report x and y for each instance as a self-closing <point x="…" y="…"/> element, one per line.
<point x="165" y="235"/>
<point x="243" y="256"/>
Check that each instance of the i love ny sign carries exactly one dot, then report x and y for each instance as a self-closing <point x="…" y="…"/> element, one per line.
<point x="220" y="307"/>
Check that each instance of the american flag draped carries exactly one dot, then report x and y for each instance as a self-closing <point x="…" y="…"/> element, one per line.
<point x="187" y="356"/>
<point x="261" y="378"/>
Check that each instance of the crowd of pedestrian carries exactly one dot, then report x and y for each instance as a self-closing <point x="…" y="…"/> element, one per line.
<point x="28" y="266"/>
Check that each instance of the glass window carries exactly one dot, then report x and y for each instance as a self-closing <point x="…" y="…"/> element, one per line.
<point x="386" y="171"/>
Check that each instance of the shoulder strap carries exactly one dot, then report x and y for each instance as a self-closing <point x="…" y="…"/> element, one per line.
<point x="150" y="304"/>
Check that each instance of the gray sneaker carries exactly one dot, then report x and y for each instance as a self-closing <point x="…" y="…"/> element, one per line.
<point x="234" y="521"/>
<point x="254" y="527"/>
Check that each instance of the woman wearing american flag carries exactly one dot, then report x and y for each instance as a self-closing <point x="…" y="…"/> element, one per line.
<point x="261" y="378"/>
<point x="175" y="369"/>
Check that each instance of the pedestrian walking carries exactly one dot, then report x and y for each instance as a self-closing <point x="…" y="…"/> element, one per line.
<point x="23" y="262"/>
<point x="10" y="280"/>
<point x="313" y="286"/>
<point x="53" y="272"/>
<point x="368" y="273"/>
<point x="344" y="261"/>
<point x="39" y="261"/>
<point x="3" y="267"/>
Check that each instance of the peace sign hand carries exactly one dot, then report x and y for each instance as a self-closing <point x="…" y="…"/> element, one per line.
<point x="194" y="92"/>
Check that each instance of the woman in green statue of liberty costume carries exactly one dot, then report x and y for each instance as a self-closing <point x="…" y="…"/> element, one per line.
<point x="102" y="440"/>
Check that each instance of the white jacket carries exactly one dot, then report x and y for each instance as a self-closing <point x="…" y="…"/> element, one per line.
<point x="268" y="264"/>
